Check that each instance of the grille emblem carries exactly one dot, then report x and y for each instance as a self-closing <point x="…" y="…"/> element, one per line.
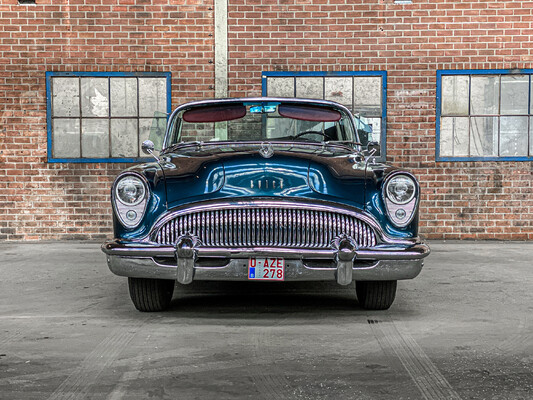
<point x="266" y="183"/>
<point x="266" y="150"/>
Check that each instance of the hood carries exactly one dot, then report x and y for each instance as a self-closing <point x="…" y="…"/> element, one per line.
<point x="226" y="171"/>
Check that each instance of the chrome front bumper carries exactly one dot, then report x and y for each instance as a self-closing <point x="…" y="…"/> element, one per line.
<point x="186" y="261"/>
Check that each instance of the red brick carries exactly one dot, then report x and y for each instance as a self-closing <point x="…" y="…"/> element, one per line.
<point x="460" y="200"/>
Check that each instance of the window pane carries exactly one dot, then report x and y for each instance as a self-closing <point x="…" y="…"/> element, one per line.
<point x="312" y="88"/>
<point x="454" y="136"/>
<point x="531" y="136"/>
<point x="96" y="116"/>
<point x="454" y="95"/>
<point x="485" y="95"/>
<point x="483" y="136"/>
<point x="94" y="97"/>
<point x="280" y="87"/>
<point x="513" y="136"/>
<point x="124" y="138"/>
<point x="375" y="123"/>
<point x="152" y="96"/>
<point x="65" y="97"/>
<point x="515" y="93"/>
<point x="360" y="93"/>
<point x="339" y="90"/>
<point x="154" y="129"/>
<point x="123" y="97"/>
<point x="367" y="91"/>
<point x="368" y="130"/>
<point x="95" y="138"/>
<point x="66" y="138"/>
<point x="367" y="96"/>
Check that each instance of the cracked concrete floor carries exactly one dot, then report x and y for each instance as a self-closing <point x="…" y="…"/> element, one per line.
<point x="461" y="330"/>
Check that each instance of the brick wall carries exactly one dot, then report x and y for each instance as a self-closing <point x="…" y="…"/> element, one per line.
<point x="39" y="200"/>
<point x="489" y="200"/>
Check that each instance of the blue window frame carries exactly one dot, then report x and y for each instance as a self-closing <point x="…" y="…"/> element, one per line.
<point x="105" y="116"/>
<point x="364" y="93"/>
<point x="484" y="115"/>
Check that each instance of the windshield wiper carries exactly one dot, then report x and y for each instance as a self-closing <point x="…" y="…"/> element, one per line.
<point x="180" y="145"/>
<point x="347" y="144"/>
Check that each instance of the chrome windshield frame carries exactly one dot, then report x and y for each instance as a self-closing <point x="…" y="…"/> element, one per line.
<point x="317" y="102"/>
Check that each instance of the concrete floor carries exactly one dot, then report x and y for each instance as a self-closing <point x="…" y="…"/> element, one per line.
<point x="462" y="329"/>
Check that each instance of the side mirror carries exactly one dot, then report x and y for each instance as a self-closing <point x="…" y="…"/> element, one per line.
<point x="373" y="148"/>
<point x="148" y="147"/>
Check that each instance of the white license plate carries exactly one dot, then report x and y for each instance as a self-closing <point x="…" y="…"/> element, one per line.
<point x="266" y="269"/>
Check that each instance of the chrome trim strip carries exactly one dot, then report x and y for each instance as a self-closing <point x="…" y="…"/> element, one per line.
<point x="415" y="251"/>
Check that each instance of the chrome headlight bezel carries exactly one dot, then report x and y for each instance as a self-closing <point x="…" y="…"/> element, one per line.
<point x="410" y="191"/>
<point x="134" y="181"/>
<point x="401" y="213"/>
<point x="130" y="214"/>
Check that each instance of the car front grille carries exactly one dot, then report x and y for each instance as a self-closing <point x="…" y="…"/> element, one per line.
<point x="258" y="226"/>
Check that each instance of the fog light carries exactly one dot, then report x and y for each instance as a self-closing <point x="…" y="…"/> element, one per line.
<point x="131" y="215"/>
<point x="400" y="213"/>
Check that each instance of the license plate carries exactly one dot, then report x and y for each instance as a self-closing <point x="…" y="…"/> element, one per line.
<point x="266" y="269"/>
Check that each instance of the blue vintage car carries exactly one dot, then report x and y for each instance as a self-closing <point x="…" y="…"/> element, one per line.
<point x="264" y="189"/>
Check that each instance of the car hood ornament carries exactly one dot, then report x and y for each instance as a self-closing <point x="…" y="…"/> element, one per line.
<point x="266" y="150"/>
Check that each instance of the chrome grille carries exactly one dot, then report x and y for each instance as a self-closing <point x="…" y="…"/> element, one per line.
<point x="266" y="226"/>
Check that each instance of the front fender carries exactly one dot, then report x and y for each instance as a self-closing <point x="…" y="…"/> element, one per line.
<point x="154" y="176"/>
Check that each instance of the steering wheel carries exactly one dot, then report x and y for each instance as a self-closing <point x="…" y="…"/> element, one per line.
<point x="311" y="133"/>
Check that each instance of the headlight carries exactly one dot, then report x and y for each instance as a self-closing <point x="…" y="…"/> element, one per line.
<point x="130" y="199"/>
<point x="130" y="190"/>
<point x="401" y="189"/>
<point x="400" y="194"/>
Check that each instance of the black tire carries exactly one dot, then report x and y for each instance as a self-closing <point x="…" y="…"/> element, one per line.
<point x="376" y="295"/>
<point x="150" y="294"/>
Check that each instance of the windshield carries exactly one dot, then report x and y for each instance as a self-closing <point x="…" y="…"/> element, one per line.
<point x="258" y="121"/>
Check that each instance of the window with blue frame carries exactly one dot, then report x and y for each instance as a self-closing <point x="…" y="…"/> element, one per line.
<point x="364" y="93"/>
<point x="484" y="115"/>
<point x="105" y="116"/>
